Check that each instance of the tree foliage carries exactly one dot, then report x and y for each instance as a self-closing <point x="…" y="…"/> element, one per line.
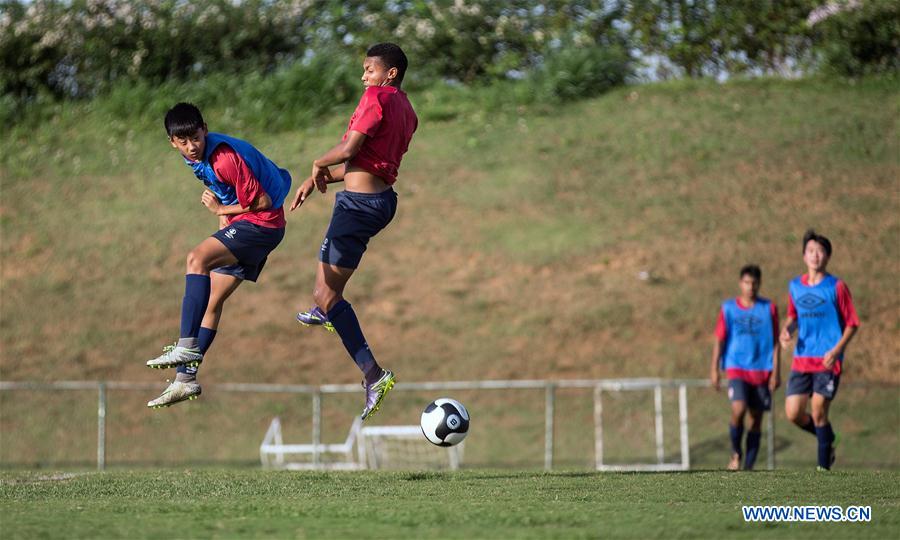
<point x="60" y="49"/>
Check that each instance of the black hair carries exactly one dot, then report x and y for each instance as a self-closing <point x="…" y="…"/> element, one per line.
<point x="753" y="271"/>
<point x="392" y="56"/>
<point x="183" y="120"/>
<point x="812" y="235"/>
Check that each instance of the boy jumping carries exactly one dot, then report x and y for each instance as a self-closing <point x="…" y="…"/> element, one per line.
<point x="747" y="347"/>
<point x="367" y="160"/>
<point x="246" y="191"/>
<point x="821" y="310"/>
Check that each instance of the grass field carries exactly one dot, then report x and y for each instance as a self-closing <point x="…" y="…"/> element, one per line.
<point x="489" y="504"/>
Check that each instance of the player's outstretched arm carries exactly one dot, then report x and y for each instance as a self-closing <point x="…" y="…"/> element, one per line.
<point x="306" y="188"/>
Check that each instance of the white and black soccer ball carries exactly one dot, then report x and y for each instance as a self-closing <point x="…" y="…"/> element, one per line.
<point x="445" y="422"/>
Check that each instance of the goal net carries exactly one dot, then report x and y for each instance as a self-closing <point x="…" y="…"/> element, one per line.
<point x="404" y="447"/>
<point x="602" y="394"/>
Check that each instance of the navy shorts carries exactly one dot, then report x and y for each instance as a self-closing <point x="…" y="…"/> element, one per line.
<point x="824" y="383"/>
<point x="250" y="244"/>
<point x="756" y="396"/>
<point x="356" y="218"/>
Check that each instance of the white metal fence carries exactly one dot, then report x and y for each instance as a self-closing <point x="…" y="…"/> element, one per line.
<point x="600" y="387"/>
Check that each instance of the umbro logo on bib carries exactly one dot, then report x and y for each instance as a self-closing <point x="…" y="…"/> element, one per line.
<point x="810" y="301"/>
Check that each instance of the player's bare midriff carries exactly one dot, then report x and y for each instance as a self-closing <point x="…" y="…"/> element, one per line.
<point x="362" y="181"/>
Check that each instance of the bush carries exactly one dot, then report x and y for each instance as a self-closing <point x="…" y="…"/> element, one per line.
<point x="284" y="99"/>
<point x="578" y="73"/>
<point x="862" y="39"/>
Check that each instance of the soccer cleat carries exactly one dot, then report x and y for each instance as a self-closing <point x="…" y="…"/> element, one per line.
<point x="375" y="393"/>
<point x="315" y="317"/>
<point x="174" y="356"/>
<point x="175" y="393"/>
<point x="735" y="463"/>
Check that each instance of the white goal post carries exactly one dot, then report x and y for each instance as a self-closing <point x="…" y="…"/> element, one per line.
<point x="272" y="451"/>
<point x="370" y="447"/>
<point x="661" y="465"/>
<point x="657" y="385"/>
<point x="405" y="447"/>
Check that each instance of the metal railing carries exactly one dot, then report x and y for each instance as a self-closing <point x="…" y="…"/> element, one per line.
<point x="549" y="386"/>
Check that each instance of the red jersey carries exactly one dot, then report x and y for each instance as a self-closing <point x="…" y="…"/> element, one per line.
<point x="388" y="120"/>
<point x="231" y="169"/>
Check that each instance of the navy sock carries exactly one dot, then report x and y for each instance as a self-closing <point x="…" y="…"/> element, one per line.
<point x="737" y="433"/>
<point x="752" y="449"/>
<point x="825" y="436"/>
<point x="193" y="306"/>
<point x="204" y="341"/>
<point x="345" y="322"/>
<point x="809" y="427"/>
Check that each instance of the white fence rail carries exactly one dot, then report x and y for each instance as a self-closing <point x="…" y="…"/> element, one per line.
<point x="549" y="386"/>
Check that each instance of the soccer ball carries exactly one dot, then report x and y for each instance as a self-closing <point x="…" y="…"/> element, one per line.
<point x="445" y="422"/>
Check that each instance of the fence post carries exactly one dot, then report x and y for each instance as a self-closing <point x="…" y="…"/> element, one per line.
<point x="101" y="426"/>
<point x="549" y="406"/>
<point x="598" y="427"/>
<point x="683" y="420"/>
<point x="658" y="417"/>
<point x="316" y="425"/>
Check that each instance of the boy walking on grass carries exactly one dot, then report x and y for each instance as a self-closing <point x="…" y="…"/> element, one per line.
<point x="747" y="348"/>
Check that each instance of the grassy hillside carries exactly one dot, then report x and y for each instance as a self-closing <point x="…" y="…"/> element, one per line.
<point x="515" y="253"/>
<point x="517" y="247"/>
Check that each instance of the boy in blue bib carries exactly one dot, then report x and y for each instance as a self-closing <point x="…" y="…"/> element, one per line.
<point x="246" y="190"/>
<point x="821" y="312"/>
<point x="747" y="349"/>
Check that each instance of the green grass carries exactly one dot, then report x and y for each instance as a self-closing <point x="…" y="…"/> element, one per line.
<point x="489" y="504"/>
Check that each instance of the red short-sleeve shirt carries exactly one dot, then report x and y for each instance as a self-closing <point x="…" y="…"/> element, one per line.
<point x="231" y="169"/>
<point x="387" y="119"/>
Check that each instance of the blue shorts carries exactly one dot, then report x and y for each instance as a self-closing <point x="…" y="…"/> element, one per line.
<point x="824" y="383"/>
<point x="250" y="244"/>
<point x="756" y="396"/>
<point x="356" y="218"/>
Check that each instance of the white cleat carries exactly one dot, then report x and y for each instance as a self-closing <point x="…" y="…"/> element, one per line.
<point x="174" y="393"/>
<point x="174" y="356"/>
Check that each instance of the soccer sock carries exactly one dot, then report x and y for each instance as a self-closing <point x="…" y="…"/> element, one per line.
<point x="752" y="449"/>
<point x="204" y="341"/>
<point x="826" y="437"/>
<point x="193" y="306"/>
<point x="809" y="427"/>
<point x="345" y="322"/>
<point x="737" y="433"/>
